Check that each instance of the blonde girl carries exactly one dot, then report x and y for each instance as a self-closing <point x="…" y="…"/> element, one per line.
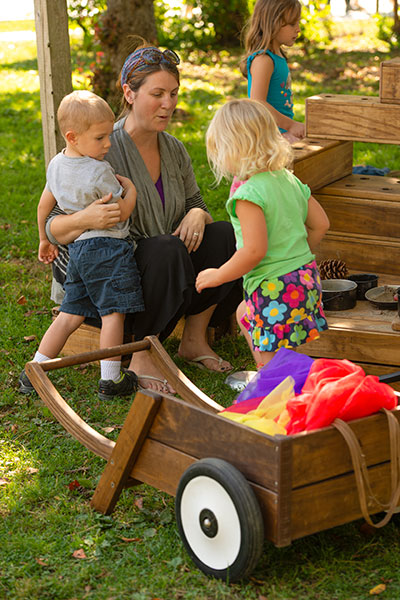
<point x="277" y="224"/>
<point x="273" y="24"/>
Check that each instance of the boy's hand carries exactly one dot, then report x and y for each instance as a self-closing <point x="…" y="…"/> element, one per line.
<point x="126" y="183"/>
<point x="207" y="278"/>
<point x="47" y="252"/>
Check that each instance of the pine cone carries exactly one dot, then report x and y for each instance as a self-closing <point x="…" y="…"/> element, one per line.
<point x="333" y="269"/>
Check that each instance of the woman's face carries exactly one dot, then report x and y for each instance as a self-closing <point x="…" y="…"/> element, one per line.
<point x="154" y="102"/>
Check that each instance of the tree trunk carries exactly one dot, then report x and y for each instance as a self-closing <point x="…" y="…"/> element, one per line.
<point x="122" y="19"/>
<point x="396" y="24"/>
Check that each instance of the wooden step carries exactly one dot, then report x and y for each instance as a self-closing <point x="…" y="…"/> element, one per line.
<point x="389" y="81"/>
<point x="367" y="205"/>
<point x="320" y="162"/>
<point x="356" y="118"/>
<point x="371" y="254"/>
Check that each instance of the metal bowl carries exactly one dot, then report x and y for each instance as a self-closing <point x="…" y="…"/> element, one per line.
<point x="339" y="294"/>
<point x="383" y="296"/>
<point x="364" y="281"/>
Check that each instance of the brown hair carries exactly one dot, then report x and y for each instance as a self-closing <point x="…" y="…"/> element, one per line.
<point x="137" y="77"/>
<point x="81" y="109"/>
<point x="264" y="24"/>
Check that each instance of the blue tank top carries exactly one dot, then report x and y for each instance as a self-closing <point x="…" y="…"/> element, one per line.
<point x="280" y="87"/>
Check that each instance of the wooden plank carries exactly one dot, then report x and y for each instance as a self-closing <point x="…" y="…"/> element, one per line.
<point x="389" y="82"/>
<point x="357" y="118"/>
<point x="125" y="452"/>
<point x="323" y="454"/>
<point x="361" y="216"/>
<point x="356" y="345"/>
<point x="54" y="64"/>
<point x="320" y="164"/>
<point x="162" y="467"/>
<point x="202" y="434"/>
<point x="368" y="187"/>
<point x="334" y="502"/>
<point x="370" y="254"/>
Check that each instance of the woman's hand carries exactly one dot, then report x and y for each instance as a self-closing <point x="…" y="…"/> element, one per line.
<point x="101" y="214"/>
<point x="191" y="228"/>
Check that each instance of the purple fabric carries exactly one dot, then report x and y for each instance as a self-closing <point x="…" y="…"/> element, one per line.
<point x="160" y="190"/>
<point x="285" y="362"/>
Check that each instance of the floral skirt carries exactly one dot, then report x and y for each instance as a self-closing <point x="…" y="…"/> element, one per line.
<point x="286" y="311"/>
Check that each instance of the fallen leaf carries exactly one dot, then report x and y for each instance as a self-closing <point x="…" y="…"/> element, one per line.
<point x="4" y="481"/>
<point x="79" y="553"/>
<point x="14" y="428"/>
<point x="41" y="562"/>
<point x="73" y="485"/>
<point x="108" y="429"/>
<point x="32" y="470"/>
<point x="22" y="300"/>
<point x="378" y="589"/>
<point x="29" y="338"/>
<point x="139" y="502"/>
<point x="128" y="540"/>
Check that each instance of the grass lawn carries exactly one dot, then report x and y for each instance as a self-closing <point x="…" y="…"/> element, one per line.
<point x="53" y="546"/>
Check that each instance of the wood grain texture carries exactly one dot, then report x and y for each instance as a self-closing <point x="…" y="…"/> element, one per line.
<point x="365" y="187"/>
<point x="389" y="82"/>
<point x="319" y="164"/>
<point x="356" y="118"/>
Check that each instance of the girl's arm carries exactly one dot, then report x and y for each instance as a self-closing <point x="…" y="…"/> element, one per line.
<point x="317" y="223"/>
<point x="255" y="245"/>
<point x="98" y="215"/>
<point x="262" y="68"/>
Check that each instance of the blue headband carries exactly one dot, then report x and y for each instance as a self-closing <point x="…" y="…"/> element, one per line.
<point x="132" y="61"/>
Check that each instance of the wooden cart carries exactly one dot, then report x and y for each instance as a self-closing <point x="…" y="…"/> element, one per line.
<point x="234" y="486"/>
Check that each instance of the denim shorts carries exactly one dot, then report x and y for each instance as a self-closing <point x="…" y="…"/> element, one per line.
<point x="102" y="278"/>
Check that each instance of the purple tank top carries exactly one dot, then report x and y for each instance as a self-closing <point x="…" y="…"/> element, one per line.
<point x="160" y="190"/>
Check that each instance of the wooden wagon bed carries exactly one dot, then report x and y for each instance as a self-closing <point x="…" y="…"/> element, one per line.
<point x="302" y="483"/>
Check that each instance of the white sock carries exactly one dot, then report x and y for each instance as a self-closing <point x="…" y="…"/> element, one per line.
<point x="40" y="357"/>
<point x="110" y="369"/>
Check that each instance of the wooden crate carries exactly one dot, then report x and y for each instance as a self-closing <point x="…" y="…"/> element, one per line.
<point x="320" y="162"/>
<point x="363" y="204"/>
<point x="357" y="118"/>
<point x="389" y="83"/>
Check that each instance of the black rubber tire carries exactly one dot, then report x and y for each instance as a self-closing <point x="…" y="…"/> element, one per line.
<point x="227" y="494"/>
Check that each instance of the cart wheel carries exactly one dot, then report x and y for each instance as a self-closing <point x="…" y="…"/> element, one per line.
<point x="219" y="519"/>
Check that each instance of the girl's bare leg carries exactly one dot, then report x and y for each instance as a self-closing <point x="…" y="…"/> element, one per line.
<point x="260" y="358"/>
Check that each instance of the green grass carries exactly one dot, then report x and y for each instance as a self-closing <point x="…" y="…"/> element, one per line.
<point x="43" y="522"/>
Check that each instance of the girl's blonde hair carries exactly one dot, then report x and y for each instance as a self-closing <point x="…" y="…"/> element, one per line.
<point x="264" y="24"/>
<point x="243" y="140"/>
<point x="81" y="109"/>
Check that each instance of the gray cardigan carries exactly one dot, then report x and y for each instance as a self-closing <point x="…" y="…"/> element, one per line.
<point x="181" y="191"/>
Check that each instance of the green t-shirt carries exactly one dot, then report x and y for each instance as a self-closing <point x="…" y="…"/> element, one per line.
<point x="284" y="201"/>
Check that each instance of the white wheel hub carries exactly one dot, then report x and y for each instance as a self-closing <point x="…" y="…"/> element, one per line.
<point x="210" y="522"/>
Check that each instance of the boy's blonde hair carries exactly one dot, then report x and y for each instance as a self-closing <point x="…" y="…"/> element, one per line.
<point x="80" y="110"/>
<point x="243" y="139"/>
<point x="264" y="24"/>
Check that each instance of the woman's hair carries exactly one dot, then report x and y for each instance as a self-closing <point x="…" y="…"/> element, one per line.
<point x="136" y="77"/>
<point x="81" y="109"/>
<point x="243" y="140"/>
<point x="264" y="24"/>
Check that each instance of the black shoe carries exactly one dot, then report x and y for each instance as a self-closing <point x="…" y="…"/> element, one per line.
<point x="25" y="386"/>
<point x="128" y="384"/>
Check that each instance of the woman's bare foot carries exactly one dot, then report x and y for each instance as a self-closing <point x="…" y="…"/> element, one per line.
<point x="149" y="376"/>
<point x="194" y="345"/>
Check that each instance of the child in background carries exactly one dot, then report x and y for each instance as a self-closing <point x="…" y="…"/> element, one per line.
<point x="102" y="276"/>
<point x="278" y="225"/>
<point x="274" y="23"/>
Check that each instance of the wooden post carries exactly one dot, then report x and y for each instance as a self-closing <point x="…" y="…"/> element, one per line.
<point x="54" y="63"/>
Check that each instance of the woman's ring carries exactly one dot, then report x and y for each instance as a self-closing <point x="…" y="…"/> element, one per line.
<point x="196" y="234"/>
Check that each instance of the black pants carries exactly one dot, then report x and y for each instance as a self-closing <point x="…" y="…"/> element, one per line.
<point x="168" y="274"/>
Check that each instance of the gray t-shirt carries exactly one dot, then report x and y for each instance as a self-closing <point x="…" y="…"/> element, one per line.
<point x="76" y="182"/>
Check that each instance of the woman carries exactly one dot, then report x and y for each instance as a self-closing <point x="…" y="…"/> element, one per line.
<point x="172" y="228"/>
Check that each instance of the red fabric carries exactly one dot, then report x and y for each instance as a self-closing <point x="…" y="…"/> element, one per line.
<point x="337" y="389"/>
